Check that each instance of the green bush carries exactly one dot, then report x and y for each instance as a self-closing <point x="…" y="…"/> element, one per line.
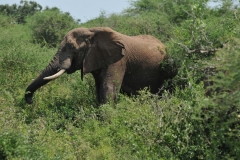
<point x="50" y="26"/>
<point x="222" y="117"/>
<point x="6" y="21"/>
<point x="20" y="12"/>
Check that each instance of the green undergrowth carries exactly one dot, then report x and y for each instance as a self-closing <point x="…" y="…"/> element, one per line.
<point x="64" y="121"/>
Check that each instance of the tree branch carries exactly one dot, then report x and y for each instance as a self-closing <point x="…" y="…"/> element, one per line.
<point x="197" y="50"/>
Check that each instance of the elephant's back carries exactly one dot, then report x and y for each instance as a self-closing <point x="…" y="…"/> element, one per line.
<point x="144" y="50"/>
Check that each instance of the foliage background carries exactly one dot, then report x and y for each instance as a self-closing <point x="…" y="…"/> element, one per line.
<point x="198" y="120"/>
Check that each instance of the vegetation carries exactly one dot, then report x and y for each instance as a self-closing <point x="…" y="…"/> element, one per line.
<point x="50" y="26"/>
<point x="199" y="119"/>
<point x="20" y="12"/>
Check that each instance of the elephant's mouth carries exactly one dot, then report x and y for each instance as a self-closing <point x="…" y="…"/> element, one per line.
<point x="70" y="71"/>
<point x="72" y="68"/>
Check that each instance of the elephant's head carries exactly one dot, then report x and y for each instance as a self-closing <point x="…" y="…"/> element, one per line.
<point x="81" y="49"/>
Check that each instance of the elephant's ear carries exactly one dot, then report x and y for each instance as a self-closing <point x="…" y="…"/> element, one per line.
<point x="106" y="48"/>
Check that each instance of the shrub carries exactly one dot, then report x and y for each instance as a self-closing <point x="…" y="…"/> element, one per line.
<point x="20" y="12"/>
<point x="50" y="26"/>
<point x="222" y="115"/>
<point x="6" y="21"/>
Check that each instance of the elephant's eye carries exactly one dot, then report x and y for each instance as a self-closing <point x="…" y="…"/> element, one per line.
<point x="82" y="46"/>
<point x="70" y="46"/>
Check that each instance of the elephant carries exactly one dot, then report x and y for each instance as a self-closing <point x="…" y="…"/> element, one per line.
<point x="118" y="63"/>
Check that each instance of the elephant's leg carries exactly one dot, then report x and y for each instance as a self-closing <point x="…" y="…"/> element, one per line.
<point x="108" y="81"/>
<point x="97" y="78"/>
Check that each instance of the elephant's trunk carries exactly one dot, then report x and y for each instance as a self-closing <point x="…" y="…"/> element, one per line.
<point x="50" y="70"/>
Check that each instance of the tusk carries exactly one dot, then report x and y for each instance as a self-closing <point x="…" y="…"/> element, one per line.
<point x="55" y="75"/>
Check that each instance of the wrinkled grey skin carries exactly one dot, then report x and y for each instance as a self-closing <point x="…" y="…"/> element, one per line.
<point x="116" y="62"/>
